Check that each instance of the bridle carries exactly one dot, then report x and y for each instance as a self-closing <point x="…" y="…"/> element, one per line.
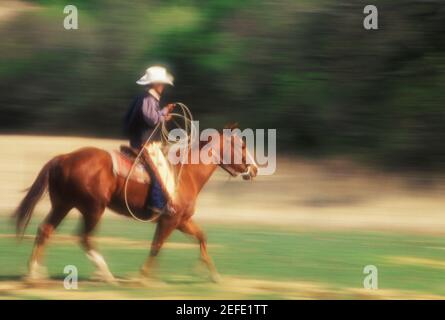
<point x="233" y="173"/>
<point x="246" y="174"/>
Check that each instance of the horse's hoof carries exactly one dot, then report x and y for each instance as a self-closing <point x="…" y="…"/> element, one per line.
<point x="215" y="277"/>
<point x="35" y="280"/>
<point x="37" y="272"/>
<point x="148" y="279"/>
<point x="145" y="273"/>
<point x="104" y="277"/>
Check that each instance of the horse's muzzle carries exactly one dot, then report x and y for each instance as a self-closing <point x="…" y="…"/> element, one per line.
<point x="251" y="172"/>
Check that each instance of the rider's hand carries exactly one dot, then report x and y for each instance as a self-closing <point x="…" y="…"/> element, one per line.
<point x="170" y="107"/>
<point x="167" y="110"/>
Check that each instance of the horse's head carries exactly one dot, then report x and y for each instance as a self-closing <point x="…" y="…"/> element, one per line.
<point x="234" y="154"/>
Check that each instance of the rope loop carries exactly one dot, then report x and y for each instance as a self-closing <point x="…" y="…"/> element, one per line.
<point x="187" y="118"/>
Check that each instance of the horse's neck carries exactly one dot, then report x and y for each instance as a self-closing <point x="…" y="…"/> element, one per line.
<point x="196" y="175"/>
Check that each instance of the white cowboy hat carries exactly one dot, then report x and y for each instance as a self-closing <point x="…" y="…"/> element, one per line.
<point x="155" y="74"/>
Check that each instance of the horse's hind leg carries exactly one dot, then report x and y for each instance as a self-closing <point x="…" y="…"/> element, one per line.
<point x="91" y="216"/>
<point x="56" y="215"/>
<point x="191" y="228"/>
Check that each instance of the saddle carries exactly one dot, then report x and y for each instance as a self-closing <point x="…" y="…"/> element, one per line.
<point x="153" y="158"/>
<point x="123" y="161"/>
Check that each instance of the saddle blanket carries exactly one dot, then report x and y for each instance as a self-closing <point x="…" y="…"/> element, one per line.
<point x="162" y="169"/>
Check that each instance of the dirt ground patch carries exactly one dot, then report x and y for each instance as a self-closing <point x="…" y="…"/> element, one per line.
<point x="231" y="287"/>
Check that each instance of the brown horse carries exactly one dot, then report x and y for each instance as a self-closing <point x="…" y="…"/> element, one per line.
<point x="84" y="179"/>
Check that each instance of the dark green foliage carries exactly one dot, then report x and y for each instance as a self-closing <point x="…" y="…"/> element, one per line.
<point x="307" y="68"/>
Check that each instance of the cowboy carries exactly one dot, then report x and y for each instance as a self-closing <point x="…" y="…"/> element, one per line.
<point x="141" y="123"/>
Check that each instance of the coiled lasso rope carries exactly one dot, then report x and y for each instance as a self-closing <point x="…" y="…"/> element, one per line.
<point x="187" y="118"/>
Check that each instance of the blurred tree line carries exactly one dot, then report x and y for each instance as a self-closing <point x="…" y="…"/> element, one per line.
<point x="305" y="67"/>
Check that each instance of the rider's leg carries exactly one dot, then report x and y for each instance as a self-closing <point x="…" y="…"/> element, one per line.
<point x="157" y="200"/>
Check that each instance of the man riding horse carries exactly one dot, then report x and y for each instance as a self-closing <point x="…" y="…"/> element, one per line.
<point x="86" y="180"/>
<point x="141" y="121"/>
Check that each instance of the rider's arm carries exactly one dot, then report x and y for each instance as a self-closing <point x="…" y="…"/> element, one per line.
<point x="152" y="114"/>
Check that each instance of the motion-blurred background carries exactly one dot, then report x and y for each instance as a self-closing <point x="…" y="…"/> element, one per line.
<point x="306" y="67"/>
<point x="359" y="114"/>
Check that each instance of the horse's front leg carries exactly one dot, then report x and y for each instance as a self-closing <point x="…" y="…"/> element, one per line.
<point x="165" y="226"/>
<point x="191" y="228"/>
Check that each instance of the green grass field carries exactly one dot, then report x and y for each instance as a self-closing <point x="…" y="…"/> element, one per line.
<point x="255" y="262"/>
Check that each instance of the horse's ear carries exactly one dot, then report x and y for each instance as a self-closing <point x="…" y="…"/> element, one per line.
<point x="232" y="125"/>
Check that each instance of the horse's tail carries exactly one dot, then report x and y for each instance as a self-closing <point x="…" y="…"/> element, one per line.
<point x="24" y="211"/>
